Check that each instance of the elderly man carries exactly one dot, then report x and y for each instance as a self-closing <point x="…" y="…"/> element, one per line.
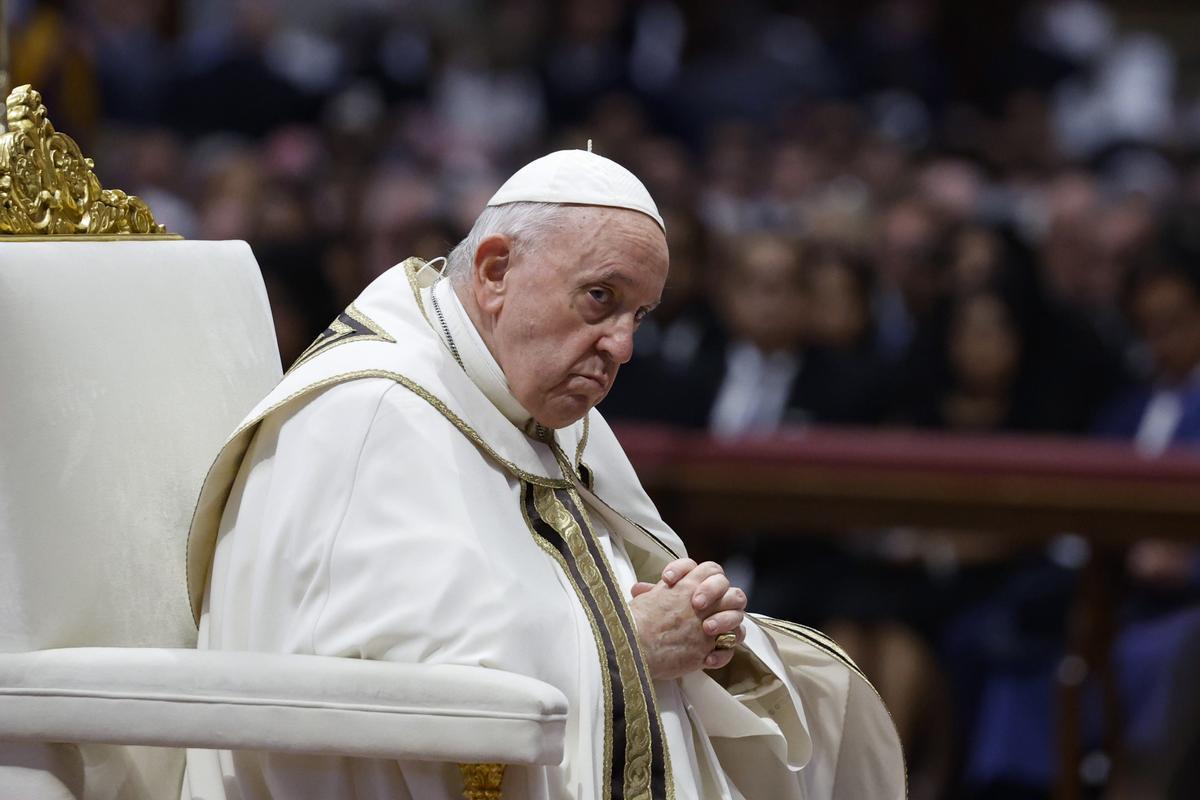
<point x="430" y="482"/>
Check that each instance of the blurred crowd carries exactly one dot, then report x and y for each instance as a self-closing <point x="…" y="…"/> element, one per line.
<point x="953" y="216"/>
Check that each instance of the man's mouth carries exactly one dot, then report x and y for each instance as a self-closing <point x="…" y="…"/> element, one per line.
<point x="601" y="382"/>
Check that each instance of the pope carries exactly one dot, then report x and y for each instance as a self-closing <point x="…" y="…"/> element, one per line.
<point x="431" y="482"/>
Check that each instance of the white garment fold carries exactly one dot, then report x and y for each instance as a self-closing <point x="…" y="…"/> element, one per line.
<point x="375" y="511"/>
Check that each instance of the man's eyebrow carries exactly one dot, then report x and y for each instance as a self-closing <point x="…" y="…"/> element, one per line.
<point x="612" y="275"/>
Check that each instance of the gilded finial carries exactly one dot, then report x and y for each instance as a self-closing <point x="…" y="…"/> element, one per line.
<point x="482" y="781"/>
<point x="47" y="186"/>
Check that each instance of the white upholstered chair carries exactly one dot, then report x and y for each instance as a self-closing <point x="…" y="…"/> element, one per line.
<point x="123" y="366"/>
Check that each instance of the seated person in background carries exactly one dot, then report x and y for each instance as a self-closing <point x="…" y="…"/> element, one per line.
<point x="770" y="373"/>
<point x="681" y="332"/>
<point x="430" y="483"/>
<point x="1159" y="617"/>
<point x="1162" y="299"/>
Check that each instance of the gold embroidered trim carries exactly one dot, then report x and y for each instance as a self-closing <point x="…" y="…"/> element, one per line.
<point x="343" y="330"/>
<point x="639" y="704"/>
<point x="407" y="383"/>
<point x="829" y="646"/>
<point x="565" y="466"/>
<point x="553" y="552"/>
<point x="648" y="704"/>
<point x="433" y="400"/>
<point x="582" y="440"/>
<point x="411" y="267"/>
<point x="813" y="637"/>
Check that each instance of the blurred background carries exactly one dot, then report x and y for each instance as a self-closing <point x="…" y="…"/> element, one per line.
<point x="943" y="216"/>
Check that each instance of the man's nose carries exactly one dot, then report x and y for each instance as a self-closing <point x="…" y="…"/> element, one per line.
<point x="617" y="342"/>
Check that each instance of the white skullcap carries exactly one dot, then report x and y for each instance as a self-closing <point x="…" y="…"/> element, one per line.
<point x="578" y="177"/>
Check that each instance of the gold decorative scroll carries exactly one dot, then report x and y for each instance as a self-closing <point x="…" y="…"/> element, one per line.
<point x="47" y="187"/>
<point x="482" y="781"/>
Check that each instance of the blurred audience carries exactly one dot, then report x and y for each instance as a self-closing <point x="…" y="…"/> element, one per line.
<point x="946" y="216"/>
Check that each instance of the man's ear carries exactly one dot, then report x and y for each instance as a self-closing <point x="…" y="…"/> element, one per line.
<point x="493" y="260"/>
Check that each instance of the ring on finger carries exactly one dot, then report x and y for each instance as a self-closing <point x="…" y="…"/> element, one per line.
<point x="726" y="641"/>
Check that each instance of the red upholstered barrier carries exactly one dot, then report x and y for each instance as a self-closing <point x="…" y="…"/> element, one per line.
<point x="824" y="478"/>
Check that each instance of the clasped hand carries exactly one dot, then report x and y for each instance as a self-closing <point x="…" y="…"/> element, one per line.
<point x="679" y="618"/>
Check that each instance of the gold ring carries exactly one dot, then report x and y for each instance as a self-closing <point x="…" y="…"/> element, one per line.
<point x="726" y="641"/>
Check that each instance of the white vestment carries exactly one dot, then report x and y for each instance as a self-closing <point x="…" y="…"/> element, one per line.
<point x="384" y="503"/>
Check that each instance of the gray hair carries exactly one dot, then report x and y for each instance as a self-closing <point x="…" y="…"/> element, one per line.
<point x="524" y="223"/>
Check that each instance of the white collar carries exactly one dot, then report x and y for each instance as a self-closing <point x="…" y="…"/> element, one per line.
<point x="462" y="338"/>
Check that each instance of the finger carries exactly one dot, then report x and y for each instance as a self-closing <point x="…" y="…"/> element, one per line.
<point x="640" y="588"/>
<point x="703" y="571"/>
<point x="717" y="659"/>
<point x="677" y="569"/>
<point x="734" y="599"/>
<point x="710" y="590"/>
<point x="723" y="622"/>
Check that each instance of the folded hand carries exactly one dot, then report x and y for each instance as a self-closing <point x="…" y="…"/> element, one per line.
<point x="679" y="618"/>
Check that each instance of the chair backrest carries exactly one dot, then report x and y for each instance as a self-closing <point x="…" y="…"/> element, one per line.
<point x="123" y="367"/>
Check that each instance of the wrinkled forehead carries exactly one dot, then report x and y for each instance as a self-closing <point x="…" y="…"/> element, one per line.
<point x="619" y="242"/>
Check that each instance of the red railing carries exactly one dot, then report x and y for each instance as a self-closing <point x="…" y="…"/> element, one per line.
<point x="823" y="479"/>
<point x="827" y="481"/>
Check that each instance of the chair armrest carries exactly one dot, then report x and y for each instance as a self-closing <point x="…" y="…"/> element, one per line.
<point x="280" y="703"/>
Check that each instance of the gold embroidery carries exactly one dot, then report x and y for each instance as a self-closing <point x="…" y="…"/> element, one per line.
<point x="814" y="637"/>
<point x="582" y="441"/>
<point x="565" y="466"/>
<point x="638" y="706"/>
<point x="350" y="326"/>
<point x="553" y="552"/>
<point x="826" y="645"/>
<point x="411" y="266"/>
<point x="407" y="383"/>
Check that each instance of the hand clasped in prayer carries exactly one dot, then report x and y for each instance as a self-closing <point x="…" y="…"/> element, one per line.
<point x="679" y="618"/>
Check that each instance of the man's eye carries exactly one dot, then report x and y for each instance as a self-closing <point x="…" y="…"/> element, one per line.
<point x="601" y="296"/>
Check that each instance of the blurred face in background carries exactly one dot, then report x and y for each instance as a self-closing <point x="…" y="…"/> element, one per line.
<point x="762" y="294"/>
<point x="1167" y="312"/>
<point x="974" y="259"/>
<point x="685" y="237"/>
<point x="984" y="347"/>
<point x="838" y="307"/>
<point x="905" y="239"/>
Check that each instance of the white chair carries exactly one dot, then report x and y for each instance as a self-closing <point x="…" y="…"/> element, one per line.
<point x="123" y="366"/>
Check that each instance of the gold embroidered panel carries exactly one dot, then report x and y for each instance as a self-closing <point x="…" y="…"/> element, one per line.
<point x="350" y="326"/>
<point x="636" y="762"/>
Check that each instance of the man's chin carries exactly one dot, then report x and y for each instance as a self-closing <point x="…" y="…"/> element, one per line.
<point x="566" y="411"/>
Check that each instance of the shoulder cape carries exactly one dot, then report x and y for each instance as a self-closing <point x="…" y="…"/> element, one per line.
<point x="385" y="333"/>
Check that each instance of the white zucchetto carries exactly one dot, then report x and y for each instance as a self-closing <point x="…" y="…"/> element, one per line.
<point x="577" y="177"/>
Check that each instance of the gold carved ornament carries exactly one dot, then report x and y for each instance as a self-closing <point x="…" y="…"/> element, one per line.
<point x="482" y="781"/>
<point x="47" y="186"/>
